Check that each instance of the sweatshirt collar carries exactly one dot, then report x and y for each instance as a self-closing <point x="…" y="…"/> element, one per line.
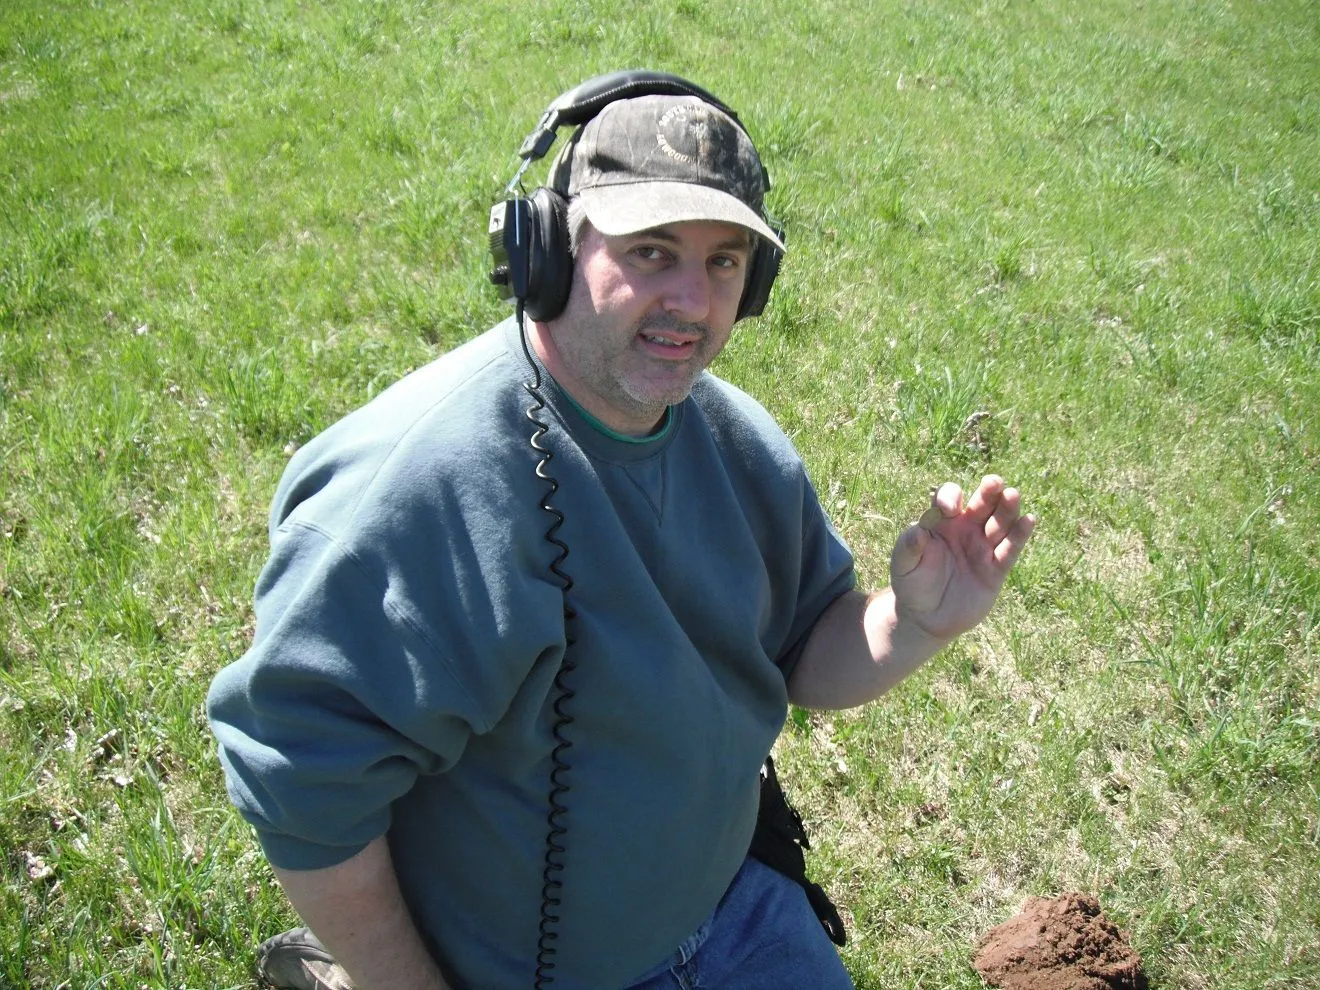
<point x="593" y="435"/>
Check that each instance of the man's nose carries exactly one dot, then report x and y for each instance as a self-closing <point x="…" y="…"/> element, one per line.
<point x="687" y="294"/>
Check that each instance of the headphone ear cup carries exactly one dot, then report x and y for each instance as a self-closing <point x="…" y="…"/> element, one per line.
<point x="550" y="264"/>
<point x="760" y="277"/>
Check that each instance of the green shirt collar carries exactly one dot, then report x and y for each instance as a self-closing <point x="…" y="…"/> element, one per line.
<point x="601" y="428"/>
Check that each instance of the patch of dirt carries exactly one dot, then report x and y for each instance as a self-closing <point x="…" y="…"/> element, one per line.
<point x="1059" y="943"/>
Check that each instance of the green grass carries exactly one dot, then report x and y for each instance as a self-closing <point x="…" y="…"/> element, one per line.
<point x="1072" y="244"/>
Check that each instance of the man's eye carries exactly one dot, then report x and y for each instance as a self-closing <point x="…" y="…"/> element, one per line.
<point x="648" y="252"/>
<point x="726" y="261"/>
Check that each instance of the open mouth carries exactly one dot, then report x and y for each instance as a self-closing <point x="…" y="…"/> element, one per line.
<point x="668" y="345"/>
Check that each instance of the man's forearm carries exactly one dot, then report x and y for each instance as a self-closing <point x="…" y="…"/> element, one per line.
<point x="858" y="649"/>
<point x="356" y="910"/>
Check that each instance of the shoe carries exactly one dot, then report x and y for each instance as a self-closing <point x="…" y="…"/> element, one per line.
<point x="296" y="960"/>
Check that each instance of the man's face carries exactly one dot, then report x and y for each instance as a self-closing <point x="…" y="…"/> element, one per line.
<point x="646" y="314"/>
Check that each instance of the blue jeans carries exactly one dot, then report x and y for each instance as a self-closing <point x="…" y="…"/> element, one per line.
<point x="762" y="936"/>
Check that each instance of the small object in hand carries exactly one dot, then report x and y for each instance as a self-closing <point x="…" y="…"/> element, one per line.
<point x="931" y="518"/>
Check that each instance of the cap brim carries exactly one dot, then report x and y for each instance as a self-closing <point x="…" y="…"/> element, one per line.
<point x="627" y="208"/>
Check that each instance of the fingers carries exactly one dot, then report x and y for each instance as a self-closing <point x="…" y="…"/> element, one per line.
<point x="945" y="503"/>
<point x="1005" y="514"/>
<point x="1006" y="553"/>
<point x="987" y="497"/>
<point x="994" y="507"/>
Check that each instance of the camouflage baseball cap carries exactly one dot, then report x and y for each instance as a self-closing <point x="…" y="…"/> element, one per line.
<point x="654" y="160"/>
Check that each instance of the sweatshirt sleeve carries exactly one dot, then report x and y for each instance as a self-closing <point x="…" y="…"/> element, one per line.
<point x="318" y="724"/>
<point x="826" y="573"/>
<point x="353" y="687"/>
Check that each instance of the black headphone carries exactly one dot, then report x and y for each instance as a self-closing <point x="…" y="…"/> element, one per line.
<point x="529" y="242"/>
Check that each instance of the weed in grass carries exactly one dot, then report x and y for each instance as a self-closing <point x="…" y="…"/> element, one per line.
<point x="943" y="417"/>
<point x="795" y="316"/>
<point x="1007" y="263"/>
<point x="1242" y="705"/>
<point x="785" y="133"/>
<point x="890" y="206"/>
<point x="1282" y="204"/>
<point x="1281" y="312"/>
<point x="265" y="408"/>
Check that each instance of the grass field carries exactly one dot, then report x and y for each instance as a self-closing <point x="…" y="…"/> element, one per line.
<point x="1074" y="244"/>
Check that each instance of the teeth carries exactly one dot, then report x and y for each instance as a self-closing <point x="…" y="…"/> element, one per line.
<point x="662" y="340"/>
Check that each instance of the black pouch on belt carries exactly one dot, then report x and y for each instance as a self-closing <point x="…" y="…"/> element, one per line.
<point x="779" y="841"/>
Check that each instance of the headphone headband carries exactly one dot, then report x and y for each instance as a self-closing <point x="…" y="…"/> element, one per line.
<point x="584" y="101"/>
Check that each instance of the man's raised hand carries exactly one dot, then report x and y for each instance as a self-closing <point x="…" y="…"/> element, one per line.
<point x="948" y="567"/>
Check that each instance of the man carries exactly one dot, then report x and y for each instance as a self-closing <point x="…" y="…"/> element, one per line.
<point x="424" y="648"/>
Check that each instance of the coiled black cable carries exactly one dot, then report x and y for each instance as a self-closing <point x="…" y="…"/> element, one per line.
<point x="551" y="873"/>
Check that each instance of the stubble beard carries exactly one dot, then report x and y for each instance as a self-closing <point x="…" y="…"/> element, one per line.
<point x="615" y="369"/>
<point x="657" y="400"/>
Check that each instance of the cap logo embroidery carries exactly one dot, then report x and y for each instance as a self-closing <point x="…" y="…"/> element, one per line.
<point x="671" y="130"/>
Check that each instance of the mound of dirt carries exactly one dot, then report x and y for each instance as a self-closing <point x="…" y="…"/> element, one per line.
<point x="1059" y="943"/>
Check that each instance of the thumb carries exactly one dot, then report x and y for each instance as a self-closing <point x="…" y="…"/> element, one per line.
<point x="908" y="550"/>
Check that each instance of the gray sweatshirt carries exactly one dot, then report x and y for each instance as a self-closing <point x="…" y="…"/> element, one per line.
<point x="409" y="630"/>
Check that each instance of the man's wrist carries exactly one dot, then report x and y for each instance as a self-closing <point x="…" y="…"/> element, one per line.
<point x="915" y="625"/>
<point x="907" y="633"/>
